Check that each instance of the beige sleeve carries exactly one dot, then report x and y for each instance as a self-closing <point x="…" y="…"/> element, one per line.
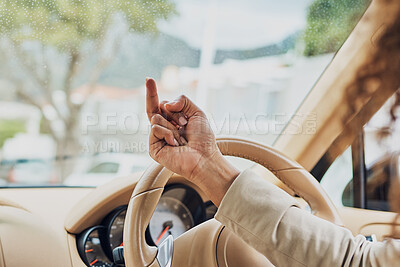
<point x="269" y="220"/>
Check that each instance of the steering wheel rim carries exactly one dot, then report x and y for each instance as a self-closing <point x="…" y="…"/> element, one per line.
<point x="149" y="189"/>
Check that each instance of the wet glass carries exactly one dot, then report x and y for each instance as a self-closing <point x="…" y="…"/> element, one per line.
<point x="72" y="73"/>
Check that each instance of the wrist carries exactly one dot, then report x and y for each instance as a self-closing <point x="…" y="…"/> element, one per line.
<point x="214" y="176"/>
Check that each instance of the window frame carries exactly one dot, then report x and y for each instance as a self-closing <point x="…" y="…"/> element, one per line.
<point x="359" y="178"/>
<point x="359" y="172"/>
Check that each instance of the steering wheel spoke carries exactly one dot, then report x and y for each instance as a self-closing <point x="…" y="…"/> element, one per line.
<point x="165" y="251"/>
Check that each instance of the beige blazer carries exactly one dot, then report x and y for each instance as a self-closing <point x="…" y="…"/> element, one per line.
<point x="269" y="220"/>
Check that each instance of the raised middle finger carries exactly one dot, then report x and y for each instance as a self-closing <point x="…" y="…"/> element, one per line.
<point x="152" y="104"/>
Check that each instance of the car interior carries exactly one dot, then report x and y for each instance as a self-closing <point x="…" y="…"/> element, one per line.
<point x="130" y="220"/>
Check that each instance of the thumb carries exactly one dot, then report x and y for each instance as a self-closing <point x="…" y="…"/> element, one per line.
<point x="184" y="105"/>
<point x="175" y="106"/>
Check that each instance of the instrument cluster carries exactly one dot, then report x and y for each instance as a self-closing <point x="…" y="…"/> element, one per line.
<point x="180" y="208"/>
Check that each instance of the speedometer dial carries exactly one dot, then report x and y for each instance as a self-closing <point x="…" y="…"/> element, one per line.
<point x="90" y="247"/>
<point x="114" y="222"/>
<point x="171" y="217"/>
<point x="179" y="209"/>
<point x="117" y="230"/>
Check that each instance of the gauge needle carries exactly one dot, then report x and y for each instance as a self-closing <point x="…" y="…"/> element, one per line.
<point x="93" y="262"/>
<point x="162" y="234"/>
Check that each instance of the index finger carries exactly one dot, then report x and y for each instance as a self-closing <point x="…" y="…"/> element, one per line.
<point x="152" y="104"/>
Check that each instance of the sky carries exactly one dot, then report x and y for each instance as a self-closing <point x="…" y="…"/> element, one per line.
<point x="239" y="24"/>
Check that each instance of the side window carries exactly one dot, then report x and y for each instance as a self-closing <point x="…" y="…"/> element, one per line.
<point x="362" y="175"/>
<point x="381" y="149"/>
<point x="338" y="177"/>
<point x="379" y="176"/>
<point x="372" y="188"/>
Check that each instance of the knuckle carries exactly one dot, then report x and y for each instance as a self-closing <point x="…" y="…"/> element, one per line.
<point x="154" y="127"/>
<point x="156" y="119"/>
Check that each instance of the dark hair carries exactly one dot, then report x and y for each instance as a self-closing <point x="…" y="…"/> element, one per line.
<point x="382" y="71"/>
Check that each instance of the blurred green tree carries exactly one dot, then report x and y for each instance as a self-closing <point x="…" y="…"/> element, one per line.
<point x="8" y="128"/>
<point x="329" y="23"/>
<point x="46" y="45"/>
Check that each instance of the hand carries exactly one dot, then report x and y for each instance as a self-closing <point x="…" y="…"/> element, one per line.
<point x="181" y="149"/>
<point x="181" y="139"/>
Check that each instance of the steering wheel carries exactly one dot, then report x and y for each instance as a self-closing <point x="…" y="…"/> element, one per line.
<point x="148" y="191"/>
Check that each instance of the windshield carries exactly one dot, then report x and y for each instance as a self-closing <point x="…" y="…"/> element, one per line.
<point x="72" y="96"/>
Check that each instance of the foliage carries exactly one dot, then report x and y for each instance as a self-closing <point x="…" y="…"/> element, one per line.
<point x="329" y="23"/>
<point x="67" y="24"/>
<point x="49" y="47"/>
<point x="8" y="128"/>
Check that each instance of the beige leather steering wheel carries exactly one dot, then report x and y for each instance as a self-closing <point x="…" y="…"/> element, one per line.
<point x="148" y="191"/>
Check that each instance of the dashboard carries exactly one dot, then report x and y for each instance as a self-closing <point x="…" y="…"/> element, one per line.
<point x="180" y="208"/>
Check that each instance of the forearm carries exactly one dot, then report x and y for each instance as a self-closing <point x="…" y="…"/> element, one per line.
<point x="269" y="220"/>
